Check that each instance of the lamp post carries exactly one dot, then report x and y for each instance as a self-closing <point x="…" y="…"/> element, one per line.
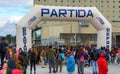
<point x="75" y="34"/>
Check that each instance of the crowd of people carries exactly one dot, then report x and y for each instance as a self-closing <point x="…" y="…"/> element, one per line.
<point x="15" y="61"/>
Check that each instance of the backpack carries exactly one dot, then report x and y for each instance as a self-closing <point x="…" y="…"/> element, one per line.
<point x="95" y="55"/>
<point x="16" y="71"/>
<point x="63" y="56"/>
<point x="82" y="59"/>
<point x="59" y="57"/>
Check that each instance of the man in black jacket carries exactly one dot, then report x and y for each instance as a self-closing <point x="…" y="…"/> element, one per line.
<point x="3" y="50"/>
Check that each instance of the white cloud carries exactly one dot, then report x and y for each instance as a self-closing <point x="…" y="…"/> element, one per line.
<point x="8" y="25"/>
<point x="11" y="12"/>
<point x="16" y="3"/>
<point x="8" y="20"/>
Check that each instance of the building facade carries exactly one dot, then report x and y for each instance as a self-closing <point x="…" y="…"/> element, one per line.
<point x="53" y="31"/>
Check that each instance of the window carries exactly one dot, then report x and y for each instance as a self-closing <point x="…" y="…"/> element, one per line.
<point x="102" y="11"/>
<point x="119" y="6"/>
<point x="73" y="1"/>
<point x="107" y="1"/>
<point x="61" y="0"/>
<point x="101" y="1"/>
<point x="67" y="0"/>
<point x="44" y="0"/>
<point x="113" y="6"/>
<point x="119" y="1"/>
<point x="107" y="10"/>
<point x="113" y="1"/>
<point x="101" y="6"/>
<point x="38" y="0"/>
<point x="84" y="24"/>
<point x="113" y="11"/>
<point x="55" y="0"/>
<point x="107" y="16"/>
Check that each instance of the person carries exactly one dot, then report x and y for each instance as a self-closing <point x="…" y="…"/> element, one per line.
<point x="3" y="50"/>
<point x="12" y="69"/>
<point x="59" y="60"/>
<point x="33" y="56"/>
<point x="102" y="64"/>
<point x="80" y="64"/>
<point x="70" y="64"/>
<point x="94" y="57"/>
<point x="4" y="69"/>
<point x="51" y="59"/>
<point x="42" y="56"/>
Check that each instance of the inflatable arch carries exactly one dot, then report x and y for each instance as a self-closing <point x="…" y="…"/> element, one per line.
<point x="59" y="13"/>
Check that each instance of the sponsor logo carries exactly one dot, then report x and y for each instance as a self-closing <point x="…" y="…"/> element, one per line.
<point x="100" y="20"/>
<point x="24" y="38"/>
<point x="31" y="20"/>
<point x="107" y="37"/>
<point x="78" y="13"/>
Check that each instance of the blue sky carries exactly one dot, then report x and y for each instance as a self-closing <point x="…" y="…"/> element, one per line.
<point x="11" y="11"/>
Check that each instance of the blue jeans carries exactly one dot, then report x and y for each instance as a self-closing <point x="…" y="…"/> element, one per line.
<point x="94" y="66"/>
<point x="112" y="59"/>
<point x="80" y="66"/>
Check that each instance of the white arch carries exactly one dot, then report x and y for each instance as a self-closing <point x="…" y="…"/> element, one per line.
<point x="58" y="13"/>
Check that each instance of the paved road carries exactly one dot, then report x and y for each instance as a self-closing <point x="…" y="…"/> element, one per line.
<point x="113" y="69"/>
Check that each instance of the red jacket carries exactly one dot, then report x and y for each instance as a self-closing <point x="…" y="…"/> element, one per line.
<point x="102" y="64"/>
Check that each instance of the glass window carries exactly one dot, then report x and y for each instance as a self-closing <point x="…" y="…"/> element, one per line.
<point x="113" y="6"/>
<point x="67" y="0"/>
<point x="107" y="16"/>
<point x="84" y="24"/>
<point x="73" y="1"/>
<point x="96" y="0"/>
<point x="119" y="6"/>
<point x="113" y="11"/>
<point x="101" y="6"/>
<point x="55" y="0"/>
<point x="107" y="1"/>
<point x="38" y="0"/>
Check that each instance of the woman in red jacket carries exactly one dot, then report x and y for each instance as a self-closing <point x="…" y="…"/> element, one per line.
<point x="102" y="64"/>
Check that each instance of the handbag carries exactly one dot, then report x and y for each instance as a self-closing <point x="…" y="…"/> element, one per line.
<point x="82" y="59"/>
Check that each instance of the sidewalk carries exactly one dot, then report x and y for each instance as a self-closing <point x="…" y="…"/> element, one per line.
<point x="113" y="69"/>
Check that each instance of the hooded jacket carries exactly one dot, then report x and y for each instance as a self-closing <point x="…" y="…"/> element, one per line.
<point x="70" y="64"/>
<point x="102" y="64"/>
